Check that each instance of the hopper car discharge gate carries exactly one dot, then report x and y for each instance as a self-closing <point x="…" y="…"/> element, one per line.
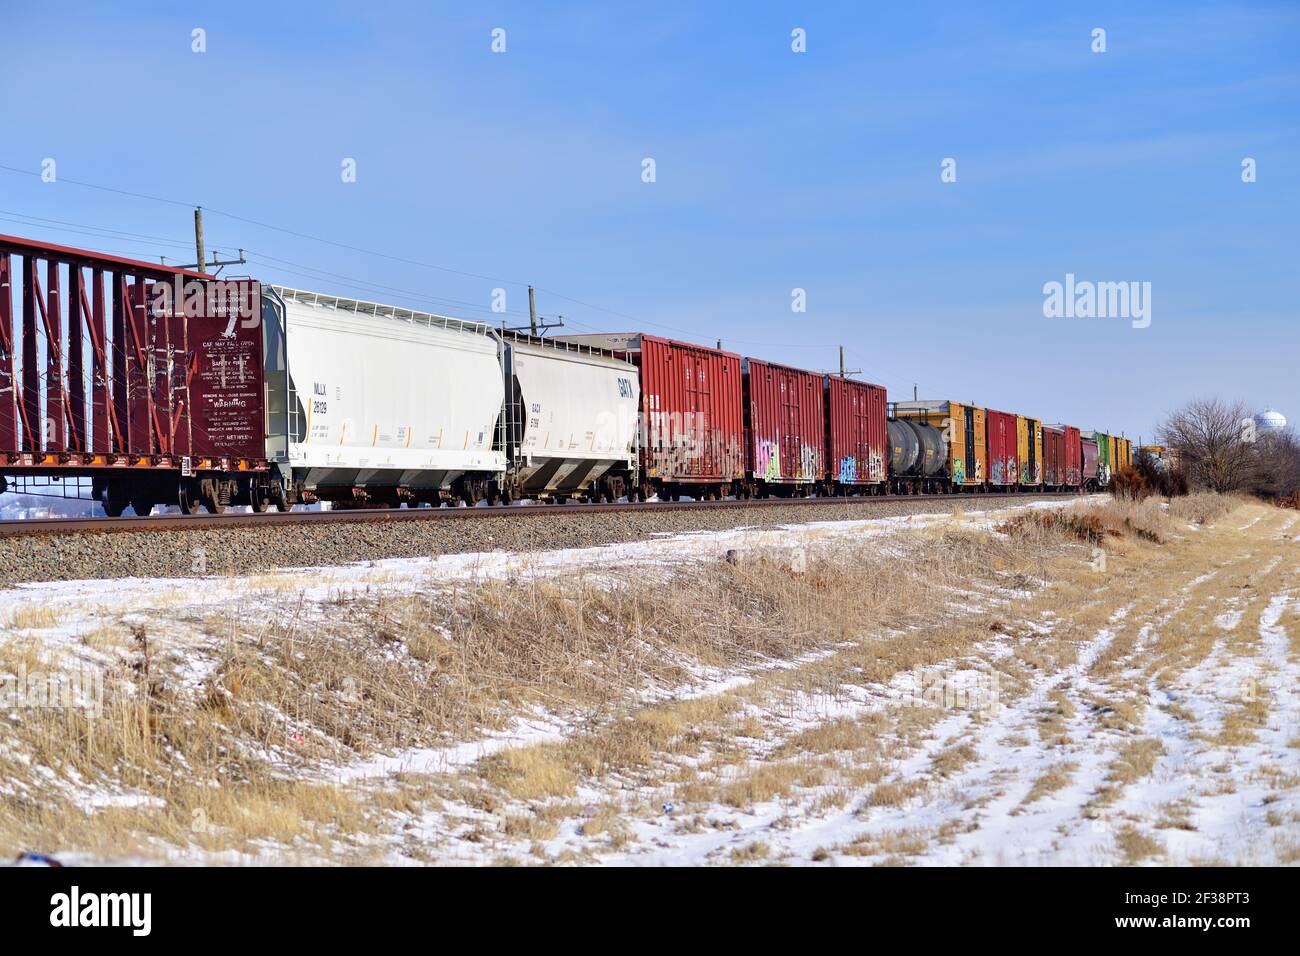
<point x="144" y="379"/>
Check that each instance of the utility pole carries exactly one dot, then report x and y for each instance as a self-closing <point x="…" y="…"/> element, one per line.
<point x="201" y="265"/>
<point x="198" y="238"/>
<point x="844" y="372"/>
<point x="535" y="328"/>
<point x="914" y="393"/>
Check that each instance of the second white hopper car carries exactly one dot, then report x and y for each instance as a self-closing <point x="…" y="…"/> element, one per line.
<point x="573" y="419"/>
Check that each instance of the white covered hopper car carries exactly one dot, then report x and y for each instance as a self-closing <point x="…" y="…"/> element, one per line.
<point x="378" y="405"/>
<point x="572" y="420"/>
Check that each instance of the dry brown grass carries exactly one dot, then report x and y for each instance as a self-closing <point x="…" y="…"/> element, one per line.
<point x="380" y="672"/>
<point x="752" y="853"/>
<point x="1116" y="518"/>
<point x="1054" y="778"/>
<point x="1135" y="846"/>
<point x="892" y="843"/>
<point x="28" y="617"/>
<point x="1242" y="722"/>
<point x="1203" y="507"/>
<point x="1135" y="761"/>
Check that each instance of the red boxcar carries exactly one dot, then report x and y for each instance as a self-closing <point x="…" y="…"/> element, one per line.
<point x="692" y="413"/>
<point x="1062" y="456"/>
<point x="1053" y="456"/>
<point x="857" y="439"/>
<point x="1000" y="440"/>
<point x="1088" y="447"/>
<point x="785" y="423"/>
<point x="1073" y="457"/>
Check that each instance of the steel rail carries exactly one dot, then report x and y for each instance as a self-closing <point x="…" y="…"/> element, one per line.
<point x="208" y="522"/>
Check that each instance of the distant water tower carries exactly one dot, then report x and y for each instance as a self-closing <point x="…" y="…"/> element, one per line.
<point x="1270" y="420"/>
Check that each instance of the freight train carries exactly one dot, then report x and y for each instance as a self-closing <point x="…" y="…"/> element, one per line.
<point x="169" y="387"/>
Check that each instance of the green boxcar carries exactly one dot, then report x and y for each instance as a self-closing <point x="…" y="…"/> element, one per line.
<point x="1105" y="458"/>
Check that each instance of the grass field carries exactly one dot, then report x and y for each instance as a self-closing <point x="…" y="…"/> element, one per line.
<point x="1107" y="683"/>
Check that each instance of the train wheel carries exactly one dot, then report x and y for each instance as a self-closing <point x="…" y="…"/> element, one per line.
<point x="259" y="498"/>
<point x="278" y="497"/>
<point x="141" y="506"/>
<point x="115" y="499"/>
<point x="208" y="495"/>
<point x="187" y="499"/>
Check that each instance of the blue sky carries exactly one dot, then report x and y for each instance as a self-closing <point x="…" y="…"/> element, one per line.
<point x="775" y="171"/>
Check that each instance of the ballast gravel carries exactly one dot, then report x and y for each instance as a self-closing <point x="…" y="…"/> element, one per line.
<point x="200" y="551"/>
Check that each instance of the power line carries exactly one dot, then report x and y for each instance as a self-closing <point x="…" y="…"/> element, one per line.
<point x="107" y="189"/>
<point x="83" y="227"/>
<point x="272" y="262"/>
<point x="408" y="261"/>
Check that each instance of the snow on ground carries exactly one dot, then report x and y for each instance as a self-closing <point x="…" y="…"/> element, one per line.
<point x="82" y="605"/>
<point x="1205" y="797"/>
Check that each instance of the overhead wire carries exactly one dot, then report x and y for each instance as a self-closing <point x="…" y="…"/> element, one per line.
<point x="639" y="322"/>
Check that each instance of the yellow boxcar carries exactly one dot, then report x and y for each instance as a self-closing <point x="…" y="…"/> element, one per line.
<point x="1029" y="444"/>
<point x="962" y="426"/>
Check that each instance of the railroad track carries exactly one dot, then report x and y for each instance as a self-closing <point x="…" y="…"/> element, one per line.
<point x="180" y="522"/>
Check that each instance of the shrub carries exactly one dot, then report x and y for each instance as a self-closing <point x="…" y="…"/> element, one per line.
<point x="1129" y="482"/>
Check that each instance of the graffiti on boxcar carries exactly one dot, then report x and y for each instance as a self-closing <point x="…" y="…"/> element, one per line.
<point x="848" y="470"/>
<point x="808" y="463"/>
<point x="958" y="471"/>
<point x="767" y="460"/>
<point x="683" y="444"/>
<point x="875" y="466"/>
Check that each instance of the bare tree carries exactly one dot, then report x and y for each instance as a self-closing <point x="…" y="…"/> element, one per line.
<point x="1275" y="470"/>
<point x="1213" y="441"/>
